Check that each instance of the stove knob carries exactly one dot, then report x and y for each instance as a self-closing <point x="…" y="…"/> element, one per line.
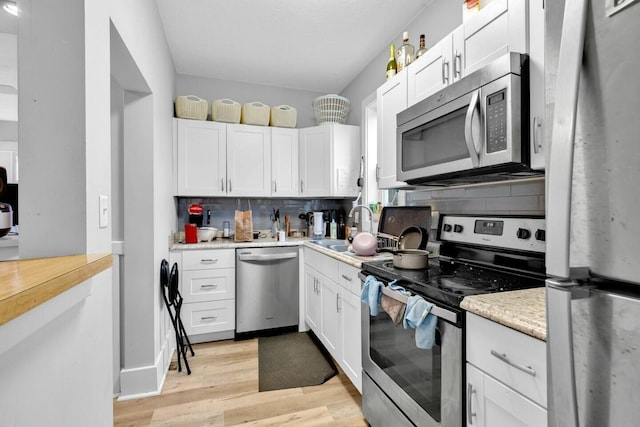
<point x="541" y="235"/>
<point x="523" y="233"/>
<point x="446" y="227"/>
<point x="457" y="228"/>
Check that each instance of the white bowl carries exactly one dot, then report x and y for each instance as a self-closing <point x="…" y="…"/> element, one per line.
<point x="206" y="234"/>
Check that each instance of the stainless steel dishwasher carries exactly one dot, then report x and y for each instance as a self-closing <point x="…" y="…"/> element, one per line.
<point x="266" y="288"/>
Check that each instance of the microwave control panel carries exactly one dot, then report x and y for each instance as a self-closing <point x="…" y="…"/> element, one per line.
<point x="496" y="113"/>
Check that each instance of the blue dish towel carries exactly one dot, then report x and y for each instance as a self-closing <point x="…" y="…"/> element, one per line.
<point x="371" y="293"/>
<point x="418" y="316"/>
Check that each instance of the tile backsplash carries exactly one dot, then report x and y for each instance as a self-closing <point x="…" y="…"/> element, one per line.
<point x="223" y="209"/>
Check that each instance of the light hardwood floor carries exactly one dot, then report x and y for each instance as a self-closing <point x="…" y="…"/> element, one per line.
<point x="222" y="390"/>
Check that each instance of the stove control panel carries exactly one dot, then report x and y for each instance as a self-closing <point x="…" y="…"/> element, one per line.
<point x="520" y="233"/>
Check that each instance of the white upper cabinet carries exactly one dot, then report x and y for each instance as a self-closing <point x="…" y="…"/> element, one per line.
<point x="248" y="160"/>
<point x="431" y="72"/>
<point x="329" y="160"/>
<point x="284" y="162"/>
<point x="391" y="98"/>
<point x="201" y="158"/>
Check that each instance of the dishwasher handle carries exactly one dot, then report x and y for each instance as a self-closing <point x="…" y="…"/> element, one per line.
<point x="267" y="257"/>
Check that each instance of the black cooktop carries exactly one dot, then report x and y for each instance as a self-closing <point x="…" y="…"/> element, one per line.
<point x="449" y="281"/>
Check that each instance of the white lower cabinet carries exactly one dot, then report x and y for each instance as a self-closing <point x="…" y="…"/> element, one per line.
<point x="506" y="376"/>
<point x="332" y="310"/>
<point x="208" y="289"/>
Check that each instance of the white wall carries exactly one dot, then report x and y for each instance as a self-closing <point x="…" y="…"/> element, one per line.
<point x="438" y="19"/>
<point x="65" y="138"/>
<point x="211" y="89"/>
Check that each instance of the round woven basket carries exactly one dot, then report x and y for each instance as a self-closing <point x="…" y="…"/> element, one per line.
<point x="331" y="108"/>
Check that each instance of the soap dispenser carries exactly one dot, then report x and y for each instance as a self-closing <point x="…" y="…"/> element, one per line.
<point x="333" y="229"/>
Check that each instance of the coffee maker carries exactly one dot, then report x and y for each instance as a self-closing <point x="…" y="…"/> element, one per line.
<point x="6" y="211"/>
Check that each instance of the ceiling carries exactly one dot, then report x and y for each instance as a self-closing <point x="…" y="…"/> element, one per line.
<point x="315" y="45"/>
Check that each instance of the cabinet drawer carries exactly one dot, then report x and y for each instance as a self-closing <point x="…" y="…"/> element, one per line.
<point x="211" y="258"/>
<point x="208" y="285"/>
<point x="210" y="316"/>
<point x="323" y="263"/>
<point x="497" y="350"/>
<point x="348" y="278"/>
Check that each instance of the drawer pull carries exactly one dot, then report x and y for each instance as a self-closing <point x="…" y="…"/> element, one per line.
<point x="470" y="413"/>
<point x="347" y="278"/>
<point x="270" y="318"/>
<point x="213" y="285"/>
<point x="207" y="318"/>
<point x="526" y="369"/>
<point x="208" y="261"/>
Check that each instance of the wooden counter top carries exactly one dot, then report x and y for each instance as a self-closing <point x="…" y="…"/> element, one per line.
<point x="26" y="284"/>
<point x="522" y="310"/>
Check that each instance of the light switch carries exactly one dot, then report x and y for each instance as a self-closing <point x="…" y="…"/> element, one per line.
<point x="103" y="207"/>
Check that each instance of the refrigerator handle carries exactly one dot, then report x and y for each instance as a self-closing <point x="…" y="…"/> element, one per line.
<point x="560" y="167"/>
<point x="561" y="378"/>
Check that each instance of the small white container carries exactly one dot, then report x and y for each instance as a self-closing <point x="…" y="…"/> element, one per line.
<point x="191" y="107"/>
<point x="225" y="110"/>
<point x="255" y="113"/>
<point x="283" y="116"/>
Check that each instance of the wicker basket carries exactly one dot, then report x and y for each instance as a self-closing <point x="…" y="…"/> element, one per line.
<point x="283" y="116"/>
<point x="191" y="107"/>
<point x="255" y="113"/>
<point x="331" y="108"/>
<point x="225" y="110"/>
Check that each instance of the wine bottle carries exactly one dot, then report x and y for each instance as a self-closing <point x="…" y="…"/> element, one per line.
<point x="422" y="49"/>
<point x="406" y="52"/>
<point x="391" y="64"/>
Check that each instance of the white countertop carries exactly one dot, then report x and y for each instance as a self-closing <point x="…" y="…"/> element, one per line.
<point x="8" y="241"/>
<point x="221" y="243"/>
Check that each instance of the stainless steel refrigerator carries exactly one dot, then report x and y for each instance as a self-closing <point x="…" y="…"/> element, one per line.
<point x="592" y="64"/>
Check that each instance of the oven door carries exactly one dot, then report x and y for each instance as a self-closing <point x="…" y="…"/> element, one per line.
<point x="480" y="129"/>
<point x="422" y="386"/>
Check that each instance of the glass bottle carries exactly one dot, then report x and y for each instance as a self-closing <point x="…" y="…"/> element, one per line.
<point x="422" y="48"/>
<point x="391" y="64"/>
<point x="406" y="52"/>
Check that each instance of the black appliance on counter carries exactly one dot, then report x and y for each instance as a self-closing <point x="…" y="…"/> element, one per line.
<point x="404" y="385"/>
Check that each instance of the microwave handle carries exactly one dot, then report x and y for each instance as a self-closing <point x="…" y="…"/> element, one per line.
<point x="468" y="129"/>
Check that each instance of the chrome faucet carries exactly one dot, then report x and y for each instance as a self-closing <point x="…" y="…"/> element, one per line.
<point x="370" y="215"/>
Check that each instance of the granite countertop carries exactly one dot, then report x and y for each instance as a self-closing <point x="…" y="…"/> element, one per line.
<point x="522" y="310"/>
<point x="25" y="284"/>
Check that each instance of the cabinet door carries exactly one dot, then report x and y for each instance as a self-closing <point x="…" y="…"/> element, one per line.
<point x="494" y="404"/>
<point x="345" y="149"/>
<point x="284" y="162"/>
<point x="430" y="73"/>
<point x="202" y="154"/>
<point x="391" y="99"/>
<point x="499" y="27"/>
<point x="248" y="160"/>
<point x="9" y="160"/>
<point x="312" y="299"/>
<point x="329" y="317"/>
<point x="315" y="161"/>
<point x="351" y="337"/>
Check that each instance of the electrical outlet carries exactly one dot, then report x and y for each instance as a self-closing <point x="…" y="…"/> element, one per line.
<point x="103" y="211"/>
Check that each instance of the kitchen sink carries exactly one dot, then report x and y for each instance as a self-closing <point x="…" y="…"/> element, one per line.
<point x="339" y="248"/>
<point x="327" y="243"/>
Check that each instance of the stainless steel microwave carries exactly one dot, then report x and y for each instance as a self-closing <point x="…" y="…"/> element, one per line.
<point x="474" y="130"/>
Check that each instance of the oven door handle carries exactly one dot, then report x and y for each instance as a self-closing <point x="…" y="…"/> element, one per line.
<point x="436" y="310"/>
<point x="473" y="148"/>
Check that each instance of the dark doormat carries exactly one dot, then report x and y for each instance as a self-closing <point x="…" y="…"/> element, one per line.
<point x="292" y="360"/>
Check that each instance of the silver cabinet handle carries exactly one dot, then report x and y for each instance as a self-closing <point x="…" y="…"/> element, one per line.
<point x="206" y="318"/>
<point x="445" y="72"/>
<point x="377" y="172"/>
<point x="337" y="302"/>
<point x="457" y="64"/>
<point x="270" y="318"/>
<point x="209" y="286"/>
<point x="275" y="186"/>
<point x="229" y="185"/>
<point x="208" y="260"/>
<point x="222" y="184"/>
<point x="526" y="369"/>
<point x="470" y="413"/>
<point x="301" y="186"/>
<point x="347" y="278"/>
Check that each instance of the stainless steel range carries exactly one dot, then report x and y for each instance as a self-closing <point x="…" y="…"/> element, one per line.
<point x="406" y="385"/>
